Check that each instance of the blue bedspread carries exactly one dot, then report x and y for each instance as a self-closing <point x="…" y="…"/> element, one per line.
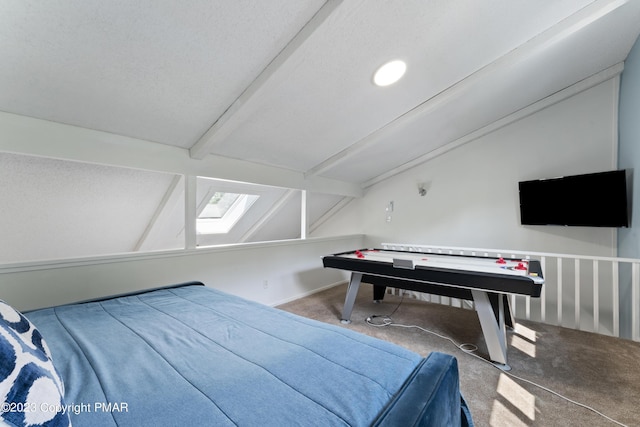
<point x="195" y="356"/>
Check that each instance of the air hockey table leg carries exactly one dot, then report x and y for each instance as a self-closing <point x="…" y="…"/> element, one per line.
<point x="350" y="299"/>
<point x="378" y="293"/>
<point x="493" y="328"/>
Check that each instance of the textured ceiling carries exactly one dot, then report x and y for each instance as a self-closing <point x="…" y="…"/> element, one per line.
<point x="288" y="83"/>
<point x="155" y="70"/>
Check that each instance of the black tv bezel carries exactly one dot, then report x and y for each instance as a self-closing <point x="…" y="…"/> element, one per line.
<point x="582" y="185"/>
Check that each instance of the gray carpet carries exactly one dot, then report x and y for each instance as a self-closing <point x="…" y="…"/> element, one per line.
<point x="594" y="370"/>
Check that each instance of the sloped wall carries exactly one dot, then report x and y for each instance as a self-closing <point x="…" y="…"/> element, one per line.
<point x="472" y="191"/>
<point x="53" y="209"/>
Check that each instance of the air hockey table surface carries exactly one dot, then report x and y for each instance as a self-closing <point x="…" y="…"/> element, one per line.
<point x="513" y="276"/>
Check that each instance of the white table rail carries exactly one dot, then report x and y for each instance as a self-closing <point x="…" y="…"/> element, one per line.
<point x="596" y="294"/>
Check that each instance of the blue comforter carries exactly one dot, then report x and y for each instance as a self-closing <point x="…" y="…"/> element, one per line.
<point x="195" y="356"/>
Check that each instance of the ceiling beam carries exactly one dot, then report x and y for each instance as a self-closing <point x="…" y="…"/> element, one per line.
<point x="160" y="216"/>
<point x="566" y="93"/>
<point x="330" y="213"/>
<point x="238" y="111"/>
<point x="36" y="137"/>
<point x="270" y="214"/>
<point x="540" y="43"/>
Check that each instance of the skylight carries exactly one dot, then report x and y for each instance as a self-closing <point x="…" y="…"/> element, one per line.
<point x="223" y="211"/>
<point x="218" y="205"/>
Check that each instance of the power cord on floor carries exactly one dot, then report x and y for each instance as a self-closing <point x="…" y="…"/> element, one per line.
<point x="385" y="320"/>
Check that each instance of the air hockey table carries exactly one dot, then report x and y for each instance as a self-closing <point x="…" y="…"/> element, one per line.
<point x="486" y="281"/>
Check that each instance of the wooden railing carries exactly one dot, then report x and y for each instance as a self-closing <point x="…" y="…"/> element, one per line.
<point x="596" y="294"/>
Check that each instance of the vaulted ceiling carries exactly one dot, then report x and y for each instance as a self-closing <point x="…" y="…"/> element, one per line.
<point x="288" y="83"/>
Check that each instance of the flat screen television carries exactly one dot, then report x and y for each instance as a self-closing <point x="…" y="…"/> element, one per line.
<point x="590" y="200"/>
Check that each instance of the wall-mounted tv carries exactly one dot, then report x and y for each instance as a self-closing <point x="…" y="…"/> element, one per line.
<point x="590" y="200"/>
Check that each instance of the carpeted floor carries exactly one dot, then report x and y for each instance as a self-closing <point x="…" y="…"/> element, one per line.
<point x="594" y="370"/>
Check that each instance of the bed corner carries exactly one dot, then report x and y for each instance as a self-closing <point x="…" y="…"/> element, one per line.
<point x="429" y="397"/>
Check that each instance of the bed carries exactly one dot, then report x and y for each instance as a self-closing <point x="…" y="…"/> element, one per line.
<point x="192" y="355"/>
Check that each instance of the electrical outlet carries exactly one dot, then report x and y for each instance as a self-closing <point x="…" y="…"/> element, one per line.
<point x="265" y="284"/>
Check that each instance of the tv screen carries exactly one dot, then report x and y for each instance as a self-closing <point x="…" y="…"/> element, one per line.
<point x="591" y="200"/>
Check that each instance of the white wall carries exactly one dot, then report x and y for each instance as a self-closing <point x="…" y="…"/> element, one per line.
<point x="472" y="197"/>
<point x="472" y="200"/>
<point x="291" y="270"/>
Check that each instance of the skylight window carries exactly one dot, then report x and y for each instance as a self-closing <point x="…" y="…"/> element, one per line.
<point x="218" y="205"/>
<point x="223" y="211"/>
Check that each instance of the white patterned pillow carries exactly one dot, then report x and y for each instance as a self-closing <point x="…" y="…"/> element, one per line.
<point x="30" y="388"/>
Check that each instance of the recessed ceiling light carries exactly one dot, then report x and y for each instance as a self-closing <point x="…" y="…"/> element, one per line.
<point x="389" y="73"/>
